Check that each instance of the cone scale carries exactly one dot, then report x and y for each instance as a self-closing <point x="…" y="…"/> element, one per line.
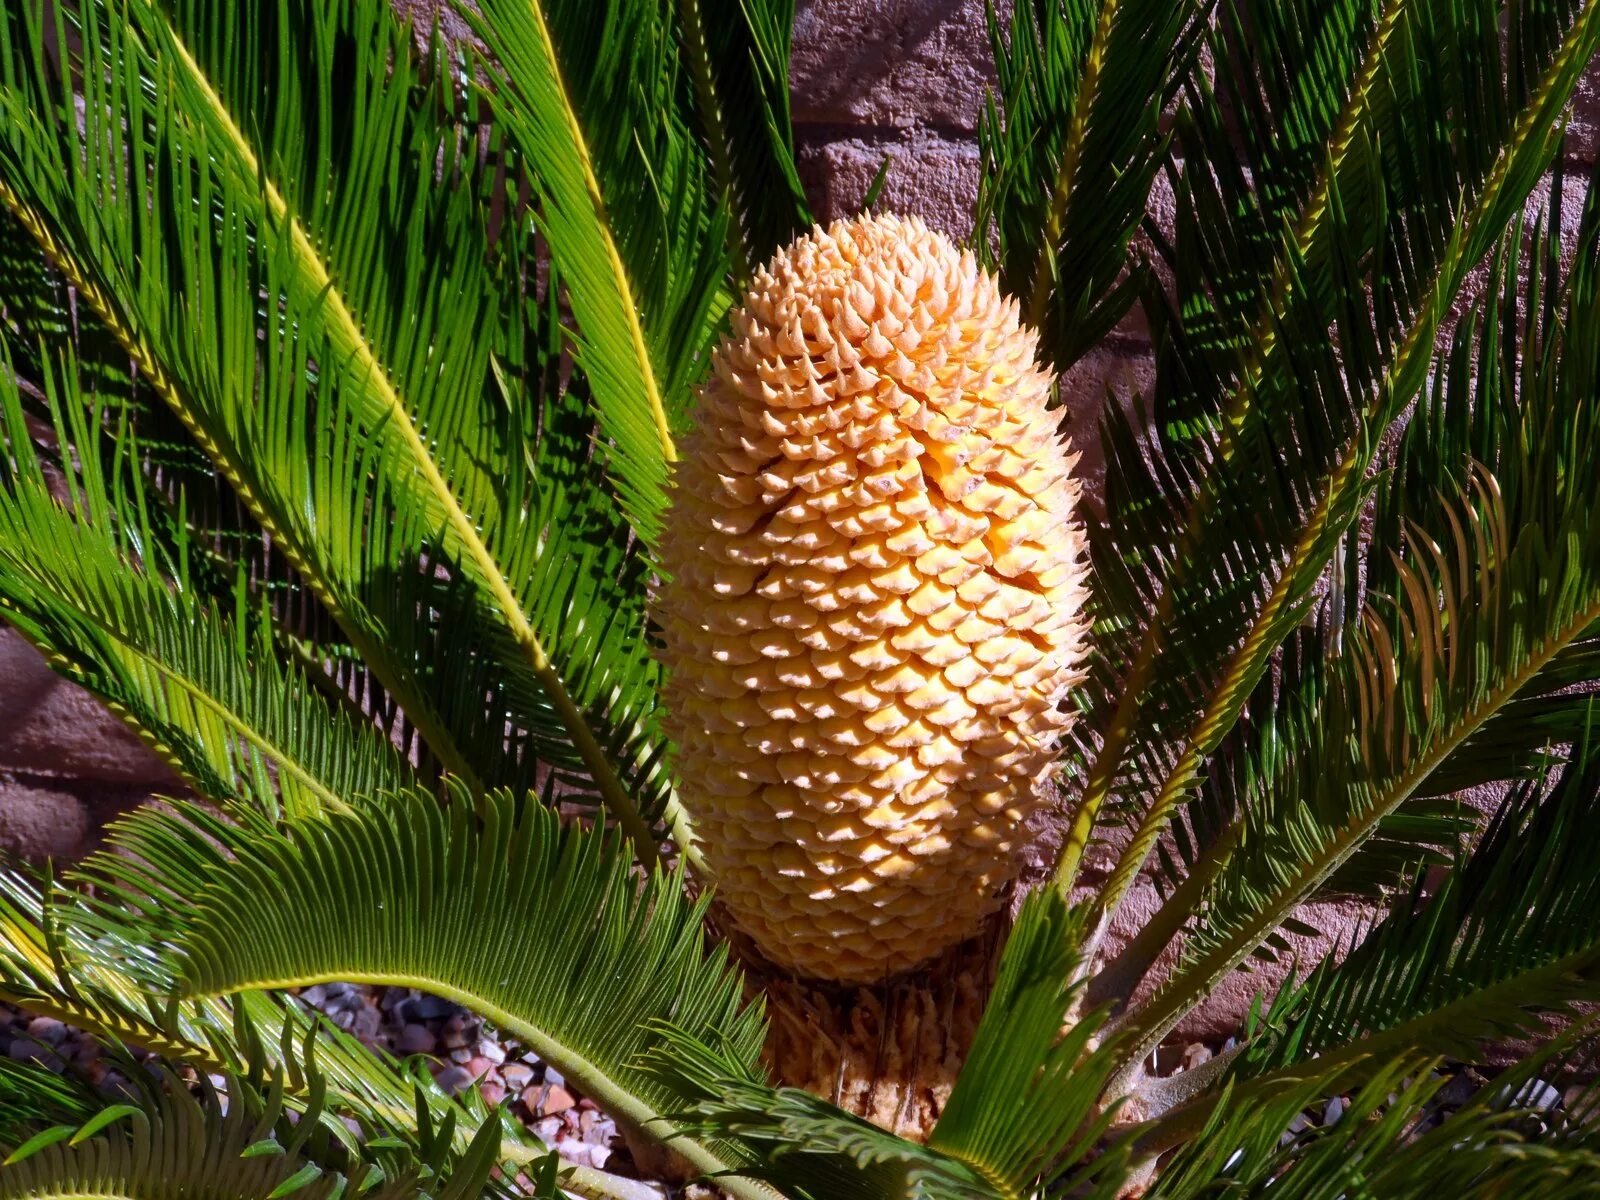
<point x="873" y="603"/>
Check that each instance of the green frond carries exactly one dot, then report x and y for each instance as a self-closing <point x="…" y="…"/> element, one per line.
<point x="592" y="95"/>
<point x="238" y="1142"/>
<point x="807" y="1148"/>
<point x="194" y="519"/>
<point x="200" y="686"/>
<point x="1027" y="1104"/>
<point x="358" y="418"/>
<point x="52" y="965"/>
<point x="540" y="928"/>
<point x="1510" y="937"/>
<point x="1023" y="1114"/>
<point x="1071" y="150"/>
<point x="1395" y="1137"/>
<point x="1471" y="624"/>
<point x="738" y="58"/>
<point x="1268" y="411"/>
<point x="33" y="1097"/>
<point x="1509" y="577"/>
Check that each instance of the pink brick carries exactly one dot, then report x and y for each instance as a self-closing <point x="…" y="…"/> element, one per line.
<point x="50" y="727"/>
<point x="933" y="177"/>
<point x="42" y="822"/>
<point x="1583" y="130"/>
<point x="896" y="62"/>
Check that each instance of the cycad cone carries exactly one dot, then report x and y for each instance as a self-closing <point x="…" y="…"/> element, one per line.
<point x="874" y="602"/>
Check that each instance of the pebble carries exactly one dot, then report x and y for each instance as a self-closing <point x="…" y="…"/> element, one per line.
<point x="454" y="1042"/>
<point x="1333" y="1110"/>
<point x="432" y="1008"/>
<point x="368" y="1021"/>
<point x="26" y="1050"/>
<point x="342" y="996"/>
<point x="1458" y="1089"/>
<point x="1296" y="1127"/>
<point x="582" y="1153"/>
<point x="454" y="1080"/>
<point x="114" y="1085"/>
<point x="1580" y="1097"/>
<point x="557" y="1100"/>
<point x="1196" y="1054"/>
<point x="416" y="1039"/>
<point x="47" y="1030"/>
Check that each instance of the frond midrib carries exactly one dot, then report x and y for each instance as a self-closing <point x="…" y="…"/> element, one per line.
<point x="1067" y="172"/>
<point x="618" y="801"/>
<point x="417" y="709"/>
<point x="1419" y="338"/>
<point x="287" y="763"/>
<point x="718" y="144"/>
<point x="614" y="263"/>
<point x="1384" y="1045"/>
<point x="1176" y="997"/>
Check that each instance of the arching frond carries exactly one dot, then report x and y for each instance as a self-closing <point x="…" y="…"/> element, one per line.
<point x="1511" y="936"/>
<point x="1471" y="624"/>
<point x="50" y="964"/>
<point x="737" y="53"/>
<point x="1022" y="1116"/>
<point x="591" y="94"/>
<point x="1394" y="1137"/>
<point x="238" y="1142"/>
<point x="1027" y="1106"/>
<point x="540" y="928"/>
<point x="1312" y="295"/>
<point x="367" y="433"/>
<point x="1070" y="152"/>
<point x="198" y="685"/>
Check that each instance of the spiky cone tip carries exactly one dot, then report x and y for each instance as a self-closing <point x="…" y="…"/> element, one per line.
<point x="873" y="600"/>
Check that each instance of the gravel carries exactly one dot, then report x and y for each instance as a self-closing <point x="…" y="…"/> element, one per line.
<point x="459" y="1049"/>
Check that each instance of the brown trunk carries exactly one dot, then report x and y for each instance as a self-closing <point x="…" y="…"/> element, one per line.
<point x="890" y="1052"/>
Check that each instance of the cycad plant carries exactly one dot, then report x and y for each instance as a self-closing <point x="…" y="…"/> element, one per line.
<point x="346" y="377"/>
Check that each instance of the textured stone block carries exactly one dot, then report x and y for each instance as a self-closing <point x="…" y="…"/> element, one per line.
<point x="1121" y="368"/>
<point x="50" y="727"/>
<point x="424" y="13"/>
<point x="929" y="176"/>
<point x="899" y="63"/>
<point x="1583" y="129"/>
<point x="1219" y="1017"/>
<point x="42" y="822"/>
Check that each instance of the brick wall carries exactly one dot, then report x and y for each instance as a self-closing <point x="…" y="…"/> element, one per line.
<point x="872" y="78"/>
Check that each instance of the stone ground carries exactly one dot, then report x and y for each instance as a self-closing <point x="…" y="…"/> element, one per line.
<point x="457" y="1047"/>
